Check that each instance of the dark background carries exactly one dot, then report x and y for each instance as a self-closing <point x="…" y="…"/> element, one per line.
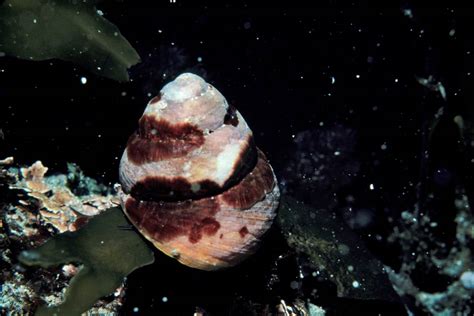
<point x="276" y="66"/>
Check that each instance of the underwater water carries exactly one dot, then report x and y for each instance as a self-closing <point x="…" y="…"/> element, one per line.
<point x="364" y="113"/>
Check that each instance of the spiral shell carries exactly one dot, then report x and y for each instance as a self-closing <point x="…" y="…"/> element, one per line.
<point x="193" y="181"/>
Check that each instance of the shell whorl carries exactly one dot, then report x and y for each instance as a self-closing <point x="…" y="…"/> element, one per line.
<point x="194" y="183"/>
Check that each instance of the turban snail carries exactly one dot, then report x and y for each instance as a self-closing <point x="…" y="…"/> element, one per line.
<point x="193" y="181"/>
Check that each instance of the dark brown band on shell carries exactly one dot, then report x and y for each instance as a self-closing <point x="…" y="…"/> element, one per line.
<point x="156" y="188"/>
<point x="166" y="220"/>
<point x="157" y="140"/>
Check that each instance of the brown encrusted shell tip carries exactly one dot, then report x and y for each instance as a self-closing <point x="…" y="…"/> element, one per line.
<point x="194" y="183"/>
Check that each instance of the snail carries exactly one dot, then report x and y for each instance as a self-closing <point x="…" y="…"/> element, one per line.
<point x="193" y="181"/>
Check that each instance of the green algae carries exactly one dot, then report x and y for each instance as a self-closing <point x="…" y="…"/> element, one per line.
<point x="338" y="254"/>
<point x="68" y="30"/>
<point x="107" y="253"/>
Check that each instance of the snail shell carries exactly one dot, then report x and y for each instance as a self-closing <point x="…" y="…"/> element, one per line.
<point x="193" y="181"/>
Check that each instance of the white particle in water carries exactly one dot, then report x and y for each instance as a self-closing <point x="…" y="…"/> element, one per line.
<point x="164" y="299"/>
<point x="83" y="80"/>
<point x="384" y="146"/>
<point x="333" y="80"/>
<point x="199" y="59"/>
<point x="371" y="187"/>
<point x="355" y="284"/>
<point x="136" y="309"/>
<point x="408" y="13"/>
<point x="357" y="76"/>
<point x="337" y="153"/>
